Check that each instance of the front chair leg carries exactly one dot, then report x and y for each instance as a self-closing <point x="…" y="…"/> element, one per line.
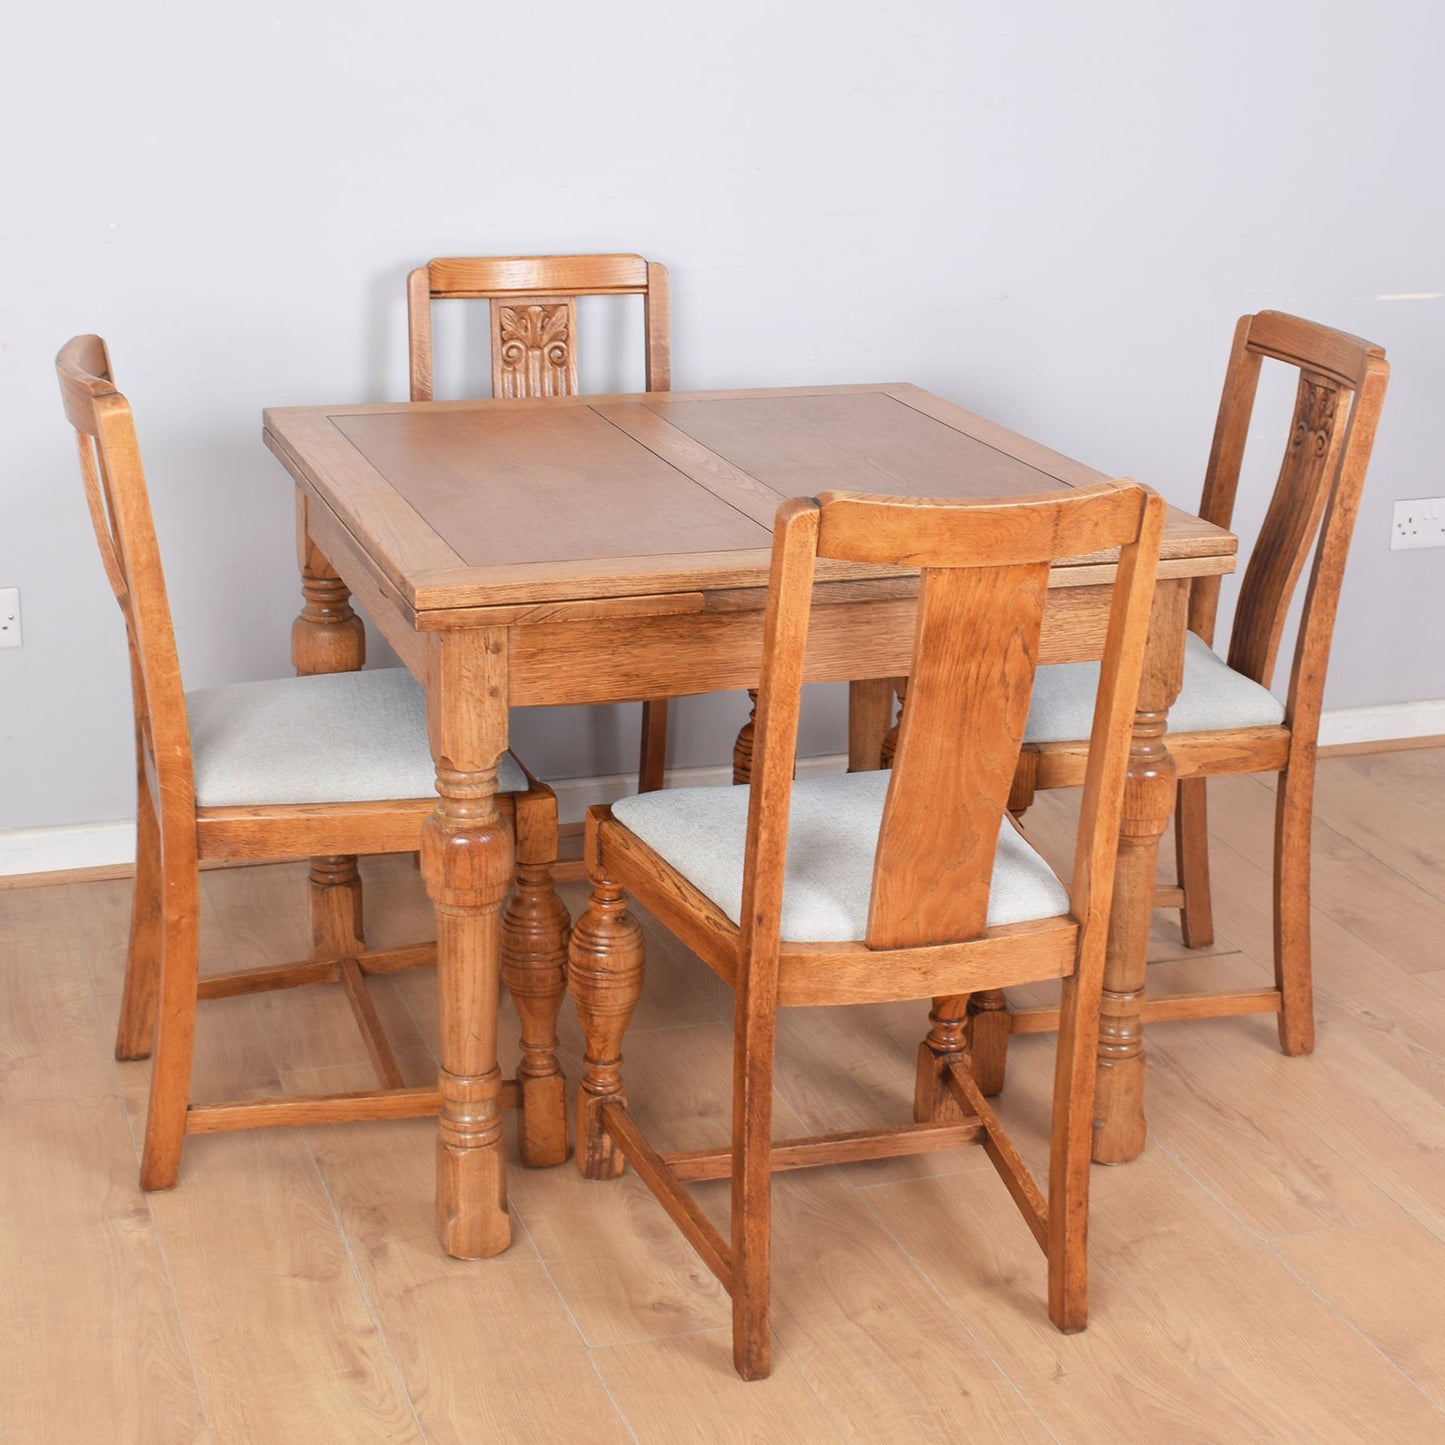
<point x="605" y="979"/>
<point x="1294" y="802"/>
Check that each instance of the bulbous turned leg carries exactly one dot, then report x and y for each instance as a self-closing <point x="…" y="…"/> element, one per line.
<point x="535" y="927"/>
<point x="605" y="962"/>
<point x="988" y="1035"/>
<point x="466" y="860"/>
<point x="328" y="636"/>
<point x="743" y="747"/>
<point x="945" y="1046"/>
<point x="334" y="885"/>
<point x="1119" y="1129"/>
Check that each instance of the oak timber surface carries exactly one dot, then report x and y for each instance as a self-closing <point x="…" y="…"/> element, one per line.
<point x="623" y="496"/>
<point x="503" y="486"/>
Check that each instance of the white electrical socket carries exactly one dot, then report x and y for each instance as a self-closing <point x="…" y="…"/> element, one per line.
<point x="10" y="617"/>
<point x="1418" y="523"/>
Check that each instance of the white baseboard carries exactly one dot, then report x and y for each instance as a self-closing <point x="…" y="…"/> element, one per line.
<point x="102" y="845"/>
<point x="54" y="850"/>
<point x="1387" y="722"/>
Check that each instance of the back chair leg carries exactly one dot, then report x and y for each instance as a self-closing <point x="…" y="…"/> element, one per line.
<point x="1294" y="804"/>
<point x="1070" y="1146"/>
<point x="988" y="1035"/>
<point x="652" y="759"/>
<point x="945" y="1046"/>
<point x="535" y="928"/>
<point x="175" y="1034"/>
<point x="1191" y="852"/>
<point x="335" y="892"/>
<point x="141" y="990"/>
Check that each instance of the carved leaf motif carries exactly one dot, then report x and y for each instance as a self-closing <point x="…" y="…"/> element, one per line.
<point x="534" y="350"/>
<point x="534" y="327"/>
<point x="1314" y="416"/>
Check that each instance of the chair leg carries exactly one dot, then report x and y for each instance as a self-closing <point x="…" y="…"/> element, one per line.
<point x="141" y="990"/>
<point x="1191" y="853"/>
<point x="604" y="976"/>
<point x="988" y="1034"/>
<point x="335" y="892"/>
<point x="1070" y="1145"/>
<point x="535" y="926"/>
<point x="1294" y="808"/>
<point x="754" y="1035"/>
<point x="652" y="760"/>
<point x="175" y="1034"/>
<point x="945" y="1045"/>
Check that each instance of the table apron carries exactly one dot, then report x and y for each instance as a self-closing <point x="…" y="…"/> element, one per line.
<point x="599" y="660"/>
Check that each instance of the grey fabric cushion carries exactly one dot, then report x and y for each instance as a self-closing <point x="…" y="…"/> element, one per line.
<point x="341" y="737"/>
<point x="1214" y="697"/>
<point x="832" y="836"/>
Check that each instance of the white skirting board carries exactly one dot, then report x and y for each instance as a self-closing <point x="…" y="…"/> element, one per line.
<point x="102" y="845"/>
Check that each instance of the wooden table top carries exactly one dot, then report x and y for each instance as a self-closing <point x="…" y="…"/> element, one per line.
<point x="481" y="504"/>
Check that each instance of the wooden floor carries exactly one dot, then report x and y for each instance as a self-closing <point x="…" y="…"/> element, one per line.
<point x="1270" y="1269"/>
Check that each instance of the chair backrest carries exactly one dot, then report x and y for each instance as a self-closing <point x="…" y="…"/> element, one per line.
<point x="534" y="315"/>
<point x="984" y="578"/>
<point x="115" y="489"/>
<point x="1341" y="387"/>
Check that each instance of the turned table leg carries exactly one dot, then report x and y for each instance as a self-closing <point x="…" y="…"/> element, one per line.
<point x="328" y="636"/>
<point x="1119" y="1126"/>
<point x="466" y="860"/>
<point x="535" y="928"/>
<point x="604" y="975"/>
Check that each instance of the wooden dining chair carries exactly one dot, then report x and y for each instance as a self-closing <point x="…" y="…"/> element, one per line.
<point x="1226" y="720"/>
<point x="533" y="329"/>
<point x="874" y="886"/>
<point x="335" y="764"/>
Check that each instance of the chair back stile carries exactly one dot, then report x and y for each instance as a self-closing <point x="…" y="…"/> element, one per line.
<point x="120" y="512"/>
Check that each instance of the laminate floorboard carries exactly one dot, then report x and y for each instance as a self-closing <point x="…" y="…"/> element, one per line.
<point x="1268" y="1270"/>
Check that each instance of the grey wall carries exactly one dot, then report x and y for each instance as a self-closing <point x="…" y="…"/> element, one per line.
<point x="1050" y="213"/>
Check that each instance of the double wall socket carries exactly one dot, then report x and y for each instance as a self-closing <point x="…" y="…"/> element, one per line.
<point x="9" y="617"/>
<point x="1418" y="523"/>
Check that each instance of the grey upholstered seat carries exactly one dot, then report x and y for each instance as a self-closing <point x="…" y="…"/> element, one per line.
<point x="341" y="737"/>
<point x="832" y="836"/>
<point x="1213" y="697"/>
